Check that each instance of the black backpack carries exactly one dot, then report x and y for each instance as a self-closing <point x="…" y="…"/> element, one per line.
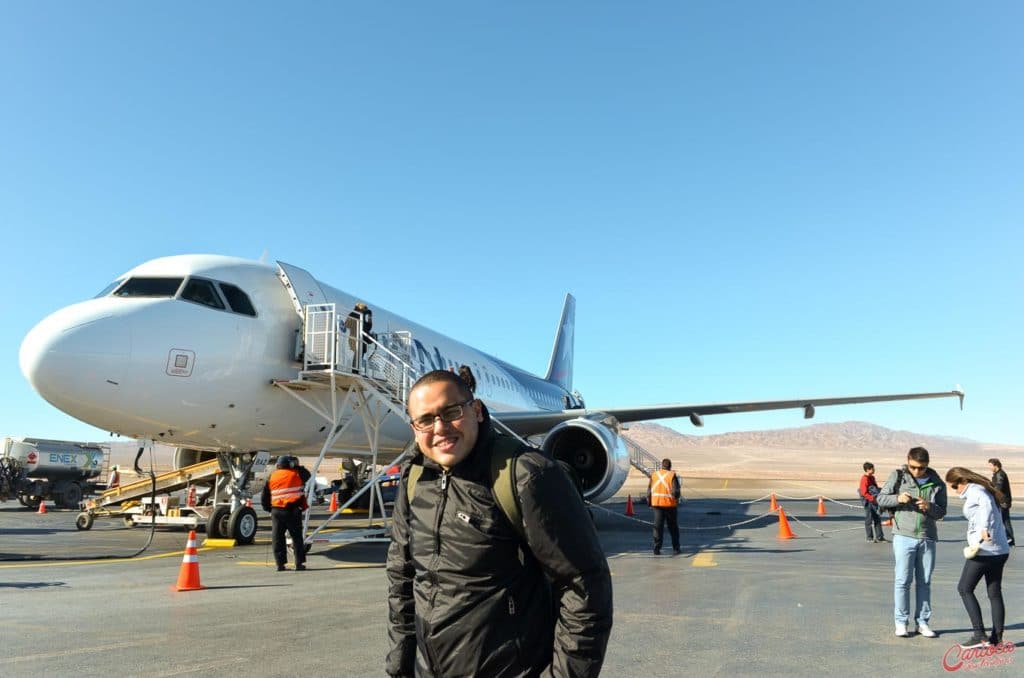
<point x="899" y="482"/>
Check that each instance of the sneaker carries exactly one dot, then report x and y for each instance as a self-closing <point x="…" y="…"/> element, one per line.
<point x="677" y="550"/>
<point x="281" y="568"/>
<point x="977" y="639"/>
<point x="925" y="631"/>
<point x="657" y="552"/>
<point x="995" y="639"/>
<point x="300" y="568"/>
<point x="901" y="631"/>
<point x="880" y="540"/>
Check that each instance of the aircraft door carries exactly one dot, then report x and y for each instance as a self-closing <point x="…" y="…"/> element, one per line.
<point x="302" y="287"/>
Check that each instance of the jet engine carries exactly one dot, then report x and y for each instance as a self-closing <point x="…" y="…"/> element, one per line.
<point x="594" y="451"/>
<point x="187" y="456"/>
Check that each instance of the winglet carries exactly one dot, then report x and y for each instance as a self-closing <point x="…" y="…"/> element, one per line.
<point x="560" y="365"/>
<point x="960" y="394"/>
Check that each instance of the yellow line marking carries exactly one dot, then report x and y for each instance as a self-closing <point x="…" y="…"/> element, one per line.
<point x="105" y="561"/>
<point x="725" y="484"/>
<point x="358" y="566"/>
<point x="704" y="559"/>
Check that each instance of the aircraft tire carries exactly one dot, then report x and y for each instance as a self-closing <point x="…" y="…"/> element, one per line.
<point x="71" y="495"/>
<point x="83" y="520"/>
<point x="243" y="525"/>
<point x="219" y="524"/>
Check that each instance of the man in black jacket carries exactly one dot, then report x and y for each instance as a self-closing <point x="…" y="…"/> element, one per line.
<point x="1002" y="483"/>
<point x="465" y="589"/>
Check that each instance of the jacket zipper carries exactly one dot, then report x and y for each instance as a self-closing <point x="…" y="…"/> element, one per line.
<point x="438" y="517"/>
<point x="440" y="513"/>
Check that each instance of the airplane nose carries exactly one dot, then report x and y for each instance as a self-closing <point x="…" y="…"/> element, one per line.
<point x="66" y="355"/>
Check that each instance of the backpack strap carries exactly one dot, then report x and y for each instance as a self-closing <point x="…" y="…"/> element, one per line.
<point x="503" y="481"/>
<point x="415" y="471"/>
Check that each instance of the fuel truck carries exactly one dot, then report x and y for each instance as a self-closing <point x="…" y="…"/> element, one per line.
<point x="60" y="471"/>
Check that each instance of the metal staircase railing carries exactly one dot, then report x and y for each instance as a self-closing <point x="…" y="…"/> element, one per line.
<point x="640" y="458"/>
<point x="382" y="359"/>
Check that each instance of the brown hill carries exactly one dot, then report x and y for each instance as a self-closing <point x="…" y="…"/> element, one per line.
<point x="816" y="451"/>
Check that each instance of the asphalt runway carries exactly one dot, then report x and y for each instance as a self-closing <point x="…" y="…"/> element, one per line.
<point x="738" y="601"/>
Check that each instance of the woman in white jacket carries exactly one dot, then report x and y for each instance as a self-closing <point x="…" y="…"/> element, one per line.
<point x="984" y="530"/>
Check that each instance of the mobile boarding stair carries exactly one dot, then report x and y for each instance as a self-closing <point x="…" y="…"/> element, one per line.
<point x="641" y="459"/>
<point x="367" y="383"/>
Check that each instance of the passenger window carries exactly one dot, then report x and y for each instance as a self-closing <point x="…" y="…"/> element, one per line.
<point x="202" y="292"/>
<point x="149" y="287"/>
<point x="237" y="299"/>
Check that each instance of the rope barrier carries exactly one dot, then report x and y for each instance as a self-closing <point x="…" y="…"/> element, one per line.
<point x="683" y="527"/>
<point x="813" y="496"/>
<point x="727" y="526"/>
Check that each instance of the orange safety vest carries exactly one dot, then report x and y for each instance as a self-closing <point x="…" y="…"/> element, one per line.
<point x="661" y="489"/>
<point x="286" y="488"/>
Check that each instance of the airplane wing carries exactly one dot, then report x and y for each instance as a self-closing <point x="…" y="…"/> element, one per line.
<point x="540" y="421"/>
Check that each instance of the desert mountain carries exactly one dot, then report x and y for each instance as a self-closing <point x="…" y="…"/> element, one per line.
<point x="819" y="450"/>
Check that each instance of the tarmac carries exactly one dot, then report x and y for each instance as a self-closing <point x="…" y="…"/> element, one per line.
<point x="738" y="600"/>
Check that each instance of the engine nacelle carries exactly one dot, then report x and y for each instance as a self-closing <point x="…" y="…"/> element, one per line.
<point x="187" y="456"/>
<point x="595" y="452"/>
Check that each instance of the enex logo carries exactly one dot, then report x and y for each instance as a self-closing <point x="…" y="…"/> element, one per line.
<point x="973" y="658"/>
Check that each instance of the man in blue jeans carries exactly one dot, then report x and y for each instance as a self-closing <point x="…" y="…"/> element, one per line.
<point x="918" y="495"/>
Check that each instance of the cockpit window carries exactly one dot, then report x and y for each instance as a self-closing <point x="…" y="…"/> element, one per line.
<point x="109" y="288"/>
<point x="202" y="292"/>
<point x="149" y="287"/>
<point x="237" y="299"/>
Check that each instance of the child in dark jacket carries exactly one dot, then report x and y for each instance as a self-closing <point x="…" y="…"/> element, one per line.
<point x="868" y="492"/>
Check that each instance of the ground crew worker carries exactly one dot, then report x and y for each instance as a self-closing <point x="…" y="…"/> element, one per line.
<point x="284" y="496"/>
<point x="663" y="496"/>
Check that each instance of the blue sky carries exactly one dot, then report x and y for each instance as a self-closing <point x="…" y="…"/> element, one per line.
<point x="750" y="200"/>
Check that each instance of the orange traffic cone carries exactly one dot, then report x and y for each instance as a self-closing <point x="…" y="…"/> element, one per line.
<point x="821" y="506"/>
<point x="188" y="576"/>
<point x="42" y="507"/>
<point x="334" y="502"/>
<point x="784" y="531"/>
<point x="629" y="505"/>
<point x="774" y="505"/>
<point x="887" y="522"/>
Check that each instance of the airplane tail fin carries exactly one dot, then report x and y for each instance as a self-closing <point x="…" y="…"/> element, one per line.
<point x="560" y="366"/>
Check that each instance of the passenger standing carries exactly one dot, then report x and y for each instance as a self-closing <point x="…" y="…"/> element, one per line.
<point x="358" y="326"/>
<point x="919" y="497"/>
<point x="467" y="376"/>
<point x="471" y="593"/>
<point x="984" y="528"/>
<point x="284" y="496"/>
<point x="868" y="493"/>
<point x="1002" y="483"/>
<point x="663" y="497"/>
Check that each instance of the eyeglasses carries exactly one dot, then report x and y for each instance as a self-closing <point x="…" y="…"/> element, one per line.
<point x="448" y="414"/>
<point x="914" y="467"/>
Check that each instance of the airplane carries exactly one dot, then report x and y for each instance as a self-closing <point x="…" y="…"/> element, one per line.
<point x="225" y="357"/>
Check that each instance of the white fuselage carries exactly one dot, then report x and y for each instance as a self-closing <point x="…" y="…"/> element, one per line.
<point x="111" y="362"/>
